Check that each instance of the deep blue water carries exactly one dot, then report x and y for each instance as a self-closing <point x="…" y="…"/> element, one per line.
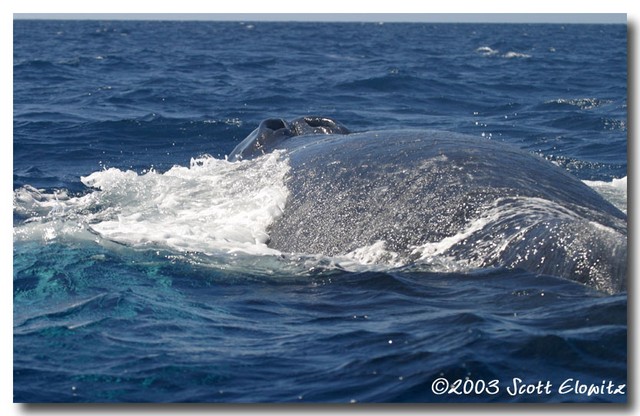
<point x="99" y="320"/>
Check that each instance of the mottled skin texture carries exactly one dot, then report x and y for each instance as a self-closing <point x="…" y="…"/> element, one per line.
<point x="411" y="188"/>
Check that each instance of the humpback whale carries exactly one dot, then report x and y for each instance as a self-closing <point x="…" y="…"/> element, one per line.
<point x="427" y="194"/>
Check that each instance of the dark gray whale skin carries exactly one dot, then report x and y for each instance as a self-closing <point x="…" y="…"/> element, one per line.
<point x="500" y="206"/>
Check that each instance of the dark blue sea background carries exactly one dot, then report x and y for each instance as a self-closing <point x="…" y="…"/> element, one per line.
<point x="130" y="319"/>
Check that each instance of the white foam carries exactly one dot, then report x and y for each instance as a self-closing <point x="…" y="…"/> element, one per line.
<point x="614" y="191"/>
<point x="512" y="54"/>
<point x="583" y="103"/>
<point x="211" y="206"/>
<point x="526" y="211"/>
<point x="486" y="50"/>
<point x="430" y="250"/>
<point x="376" y="253"/>
<point x="440" y="256"/>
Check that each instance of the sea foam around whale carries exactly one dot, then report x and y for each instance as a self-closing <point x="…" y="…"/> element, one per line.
<point x="214" y="207"/>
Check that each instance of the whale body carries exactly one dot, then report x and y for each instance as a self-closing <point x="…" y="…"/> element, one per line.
<point x="433" y="194"/>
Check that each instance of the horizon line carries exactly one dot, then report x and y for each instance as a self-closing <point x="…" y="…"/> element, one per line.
<point x="536" y="18"/>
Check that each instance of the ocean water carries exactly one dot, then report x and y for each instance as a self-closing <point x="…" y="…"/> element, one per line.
<point x="141" y="271"/>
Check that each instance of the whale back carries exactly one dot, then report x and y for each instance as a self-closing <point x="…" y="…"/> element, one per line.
<point x="427" y="195"/>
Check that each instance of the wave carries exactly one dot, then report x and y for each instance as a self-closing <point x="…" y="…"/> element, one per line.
<point x="388" y="82"/>
<point x="486" y="50"/>
<point x="587" y="103"/>
<point x="33" y="63"/>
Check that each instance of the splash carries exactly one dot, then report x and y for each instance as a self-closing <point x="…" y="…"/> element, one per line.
<point x="614" y="191"/>
<point x="211" y="206"/>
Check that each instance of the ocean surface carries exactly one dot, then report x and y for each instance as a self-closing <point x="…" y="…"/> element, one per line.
<point x="140" y="269"/>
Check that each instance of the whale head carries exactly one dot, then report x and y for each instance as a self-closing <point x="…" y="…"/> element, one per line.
<point x="273" y="131"/>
